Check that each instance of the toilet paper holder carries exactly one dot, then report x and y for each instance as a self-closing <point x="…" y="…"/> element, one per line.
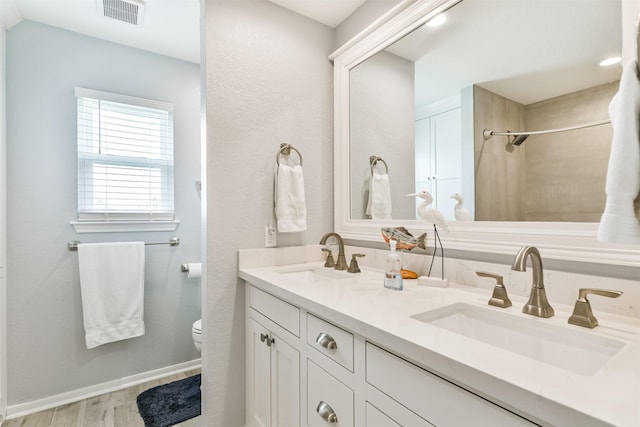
<point x="193" y="270"/>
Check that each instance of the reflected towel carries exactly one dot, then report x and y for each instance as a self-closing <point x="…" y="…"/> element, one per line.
<point x="379" y="204"/>
<point x="291" y="211"/>
<point x="112" y="288"/>
<point x="619" y="223"/>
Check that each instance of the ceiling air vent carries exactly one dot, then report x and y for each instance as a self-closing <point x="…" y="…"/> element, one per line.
<point x="129" y="11"/>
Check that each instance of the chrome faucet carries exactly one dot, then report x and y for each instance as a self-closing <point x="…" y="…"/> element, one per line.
<point x="341" y="263"/>
<point x="538" y="305"/>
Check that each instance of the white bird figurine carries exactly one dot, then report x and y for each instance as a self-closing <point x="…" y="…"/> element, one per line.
<point x="461" y="214"/>
<point x="431" y="215"/>
<point x="435" y="217"/>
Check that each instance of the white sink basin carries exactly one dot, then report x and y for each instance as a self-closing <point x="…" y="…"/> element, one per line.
<point x="567" y="348"/>
<point x="313" y="274"/>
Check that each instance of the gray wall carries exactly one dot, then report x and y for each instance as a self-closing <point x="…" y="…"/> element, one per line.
<point x="46" y="350"/>
<point x="565" y="173"/>
<point x="381" y="118"/>
<point x="499" y="173"/>
<point x="3" y="224"/>
<point x="268" y="81"/>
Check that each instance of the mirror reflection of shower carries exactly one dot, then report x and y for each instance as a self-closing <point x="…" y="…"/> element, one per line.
<point x="520" y="137"/>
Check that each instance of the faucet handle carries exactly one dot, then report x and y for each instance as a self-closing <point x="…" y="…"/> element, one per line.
<point x="582" y="313"/>
<point x="330" y="262"/>
<point x="499" y="297"/>
<point x="353" y="266"/>
<point x="491" y="275"/>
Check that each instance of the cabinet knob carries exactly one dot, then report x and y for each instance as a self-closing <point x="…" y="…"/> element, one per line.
<point x="266" y="339"/>
<point x="326" y="341"/>
<point x="327" y="413"/>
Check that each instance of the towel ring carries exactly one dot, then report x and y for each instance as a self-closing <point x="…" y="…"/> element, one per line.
<point x="373" y="160"/>
<point x="285" y="149"/>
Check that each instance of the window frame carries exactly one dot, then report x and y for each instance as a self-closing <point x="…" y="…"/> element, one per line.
<point x="112" y="220"/>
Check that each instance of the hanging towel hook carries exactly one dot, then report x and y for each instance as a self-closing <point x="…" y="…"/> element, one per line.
<point x="373" y="160"/>
<point x="285" y="150"/>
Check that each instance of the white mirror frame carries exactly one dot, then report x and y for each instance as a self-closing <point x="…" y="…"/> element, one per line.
<point x="555" y="240"/>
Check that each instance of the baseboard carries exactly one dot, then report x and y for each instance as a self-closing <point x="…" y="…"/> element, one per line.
<point x="22" y="409"/>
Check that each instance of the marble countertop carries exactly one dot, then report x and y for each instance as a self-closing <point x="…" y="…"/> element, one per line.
<point x="541" y="392"/>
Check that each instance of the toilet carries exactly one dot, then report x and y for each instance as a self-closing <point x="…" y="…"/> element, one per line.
<point x="196" y="334"/>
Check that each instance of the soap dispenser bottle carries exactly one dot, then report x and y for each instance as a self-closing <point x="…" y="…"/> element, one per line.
<point x="392" y="274"/>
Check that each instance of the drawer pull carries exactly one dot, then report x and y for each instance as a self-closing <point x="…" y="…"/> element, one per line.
<point x="327" y="413"/>
<point x="326" y="341"/>
<point x="265" y="338"/>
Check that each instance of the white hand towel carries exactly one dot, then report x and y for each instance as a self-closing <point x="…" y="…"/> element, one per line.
<point x="379" y="205"/>
<point x="619" y="223"/>
<point x="291" y="211"/>
<point x="112" y="287"/>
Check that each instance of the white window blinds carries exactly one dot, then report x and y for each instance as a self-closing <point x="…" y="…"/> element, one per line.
<point x="125" y="157"/>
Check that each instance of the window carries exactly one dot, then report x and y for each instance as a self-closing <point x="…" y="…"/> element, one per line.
<point x="125" y="158"/>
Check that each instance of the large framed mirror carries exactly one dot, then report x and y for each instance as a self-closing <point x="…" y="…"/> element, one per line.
<point x="420" y="106"/>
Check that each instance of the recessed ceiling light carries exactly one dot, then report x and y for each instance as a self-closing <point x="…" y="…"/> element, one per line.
<point x="436" y="21"/>
<point x="610" y="61"/>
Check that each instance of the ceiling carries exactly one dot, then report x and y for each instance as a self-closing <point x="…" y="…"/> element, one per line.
<point x="169" y="27"/>
<point x="328" y="12"/>
<point x="509" y="28"/>
<point x="527" y="51"/>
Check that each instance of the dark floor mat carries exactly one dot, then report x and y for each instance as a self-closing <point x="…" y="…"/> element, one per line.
<point x="171" y="403"/>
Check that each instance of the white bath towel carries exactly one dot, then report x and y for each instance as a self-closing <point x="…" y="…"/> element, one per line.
<point x="290" y="207"/>
<point x="112" y="288"/>
<point x="379" y="204"/>
<point x="619" y="223"/>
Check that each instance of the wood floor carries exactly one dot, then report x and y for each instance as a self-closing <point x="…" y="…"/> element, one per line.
<point x="117" y="409"/>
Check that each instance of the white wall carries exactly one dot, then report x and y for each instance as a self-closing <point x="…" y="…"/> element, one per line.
<point x="362" y="18"/>
<point x="268" y="81"/>
<point x="46" y="350"/>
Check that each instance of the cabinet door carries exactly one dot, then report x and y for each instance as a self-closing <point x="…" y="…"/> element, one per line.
<point x="423" y="152"/>
<point x="258" y="376"/>
<point x="285" y="384"/>
<point x="446" y="133"/>
<point x="446" y="139"/>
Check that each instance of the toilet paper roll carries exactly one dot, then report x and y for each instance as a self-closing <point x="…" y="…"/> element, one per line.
<point x="195" y="270"/>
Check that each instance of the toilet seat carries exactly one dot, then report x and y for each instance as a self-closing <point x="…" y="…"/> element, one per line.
<point x="196" y="334"/>
<point x="197" y="327"/>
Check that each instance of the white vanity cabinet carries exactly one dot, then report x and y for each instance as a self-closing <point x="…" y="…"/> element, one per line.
<point x="330" y="400"/>
<point x="273" y="364"/>
<point x="431" y="397"/>
<point x="304" y="370"/>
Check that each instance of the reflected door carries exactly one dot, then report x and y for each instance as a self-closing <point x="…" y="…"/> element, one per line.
<point x="438" y="158"/>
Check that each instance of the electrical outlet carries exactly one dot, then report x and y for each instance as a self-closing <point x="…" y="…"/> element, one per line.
<point x="269" y="237"/>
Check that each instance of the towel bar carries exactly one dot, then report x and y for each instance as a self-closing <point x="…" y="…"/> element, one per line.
<point x="174" y="241"/>
<point x="285" y="149"/>
<point x="373" y="160"/>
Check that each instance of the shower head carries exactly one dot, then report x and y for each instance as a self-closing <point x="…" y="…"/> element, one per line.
<point x="518" y="140"/>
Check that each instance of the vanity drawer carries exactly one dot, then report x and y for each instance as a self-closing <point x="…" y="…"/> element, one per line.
<point x="279" y="311"/>
<point x="327" y="395"/>
<point x="334" y="342"/>
<point x="432" y="398"/>
<point x="376" y="418"/>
